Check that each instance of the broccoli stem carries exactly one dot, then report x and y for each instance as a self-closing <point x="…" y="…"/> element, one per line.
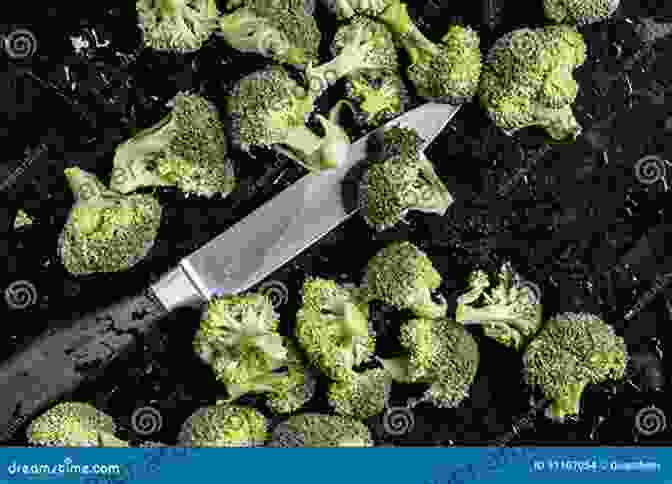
<point x="567" y="404"/>
<point x="303" y="143"/>
<point x="418" y="47"/>
<point x="438" y="199"/>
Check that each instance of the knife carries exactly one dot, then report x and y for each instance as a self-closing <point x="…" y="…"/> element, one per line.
<point x="74" y="352"/>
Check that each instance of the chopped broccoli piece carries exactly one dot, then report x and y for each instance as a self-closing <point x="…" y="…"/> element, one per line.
<point x="224" y="425"/>
<point x="318" y="430"/>
<point x="403" y="276"/>
<point x="268" y="108"/>
<point x="442" y="354"/>
<point x="509" y="312"/>
<point x="527" y="80"/>
<point x="187" y="149"/>
<point x="389" y="190"/>
<point x="284" y="30"/>
<point x="74" y="424"/>
<point x="180" y="26"/>
<point x="106" y="231"/>
<point x="378" y="96"/>
<point x="22" y="219"/>
<point x="447" y="71"/>
<point x="362" y="395"/>
<point x="571" y="351"/>
<point x="238" y="338"/>
<point x="333" y="328"/>
<point x="580" y="12"/>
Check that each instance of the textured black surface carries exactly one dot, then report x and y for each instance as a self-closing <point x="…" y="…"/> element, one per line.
<point x="572" y="218"/>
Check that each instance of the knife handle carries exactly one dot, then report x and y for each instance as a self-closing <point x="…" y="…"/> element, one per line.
<point x="69" y="354"/>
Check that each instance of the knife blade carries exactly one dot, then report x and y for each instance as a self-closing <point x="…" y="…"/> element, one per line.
<point x="291" y="222"/>
<point x="71" y="353"/>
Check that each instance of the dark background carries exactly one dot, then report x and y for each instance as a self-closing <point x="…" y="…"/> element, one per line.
<point x="572" y="218"/>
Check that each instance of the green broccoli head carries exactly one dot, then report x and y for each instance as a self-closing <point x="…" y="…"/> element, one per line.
<point x="403" y="276"/>
<point x="439" y="352"/>
<point x="180" y="26"/>
<point x="580" y="12"/>
<point x="571" y="351"/>
<point x="224" y="425"/>
<point x="73" y="424"/>
<point x="510" y="311"/>
<point x="360" y="45"/>
<point x="447" y="71"/>
<point x="268" y="108"/>
<point x="362" y="395"/>
<point x="187" y="149"/>
<point x="378" y="96"/>
<point x="318" y="430"/>
<point x="238" y="338"/>
<point x="284" y="31"/>
<point x="333" y="328"/>
<point x="106" y="231"/>
<point x="527" y="80"/>
<point x="395" y="141"/>
<point x="389" y="190"/>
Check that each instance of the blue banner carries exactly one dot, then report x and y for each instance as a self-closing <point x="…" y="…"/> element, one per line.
<point x="338" y="466"/>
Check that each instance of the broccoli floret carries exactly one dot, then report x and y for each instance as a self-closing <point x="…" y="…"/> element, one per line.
<point x="74" y="424"/>
<point x="333" y="328"/>
<point x="389" y="190"/>
<point x="238" y="337"/>
<point x="360" y="45"/>
<point x="180" y="26"/>
<point x="268" y="108"/>
<point x="403" y="276"/>
<point x="22" y="219"/>
<point x="284" y="30"/>
<point x="571" y="351"/>
<point x="580" y="12"/>
<point x="528" y="80"/>
<point x="106" y="231"/>
<point x="187" y="149"/>
<point x="447" y="71"/>
<point x="378" y="96"/>
<point x="224" y="425"/>
<point x="318" y="430"/>
<point x="441" y="353"/>
<point x="362" y="395"/>
<point x="510" y="312"/>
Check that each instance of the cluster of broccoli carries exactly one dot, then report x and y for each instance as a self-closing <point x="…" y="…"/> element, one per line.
<point x="112" y="229"/>
<point x="333" y="341"/>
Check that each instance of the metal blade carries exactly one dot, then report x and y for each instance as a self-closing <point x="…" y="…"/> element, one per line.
<point x="292" y="221"/>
